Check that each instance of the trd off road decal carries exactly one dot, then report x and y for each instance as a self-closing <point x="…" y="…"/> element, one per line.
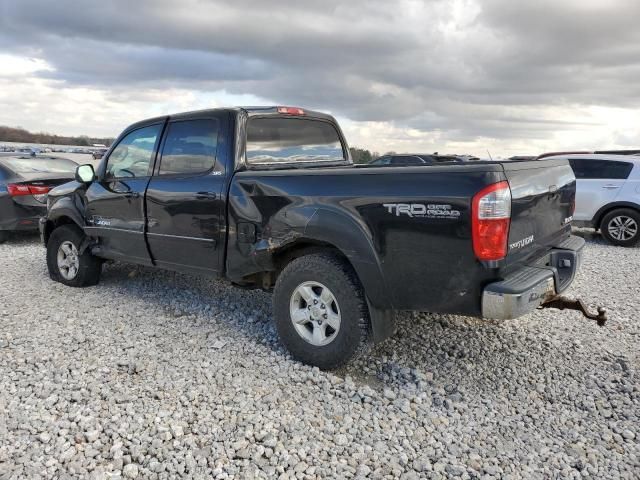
<point x="420" y="210"/>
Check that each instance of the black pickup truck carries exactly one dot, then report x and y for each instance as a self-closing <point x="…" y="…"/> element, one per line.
<point x="269" y="198"/>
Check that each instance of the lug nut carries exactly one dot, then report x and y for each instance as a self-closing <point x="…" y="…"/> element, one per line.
<point x="315" y="302"/>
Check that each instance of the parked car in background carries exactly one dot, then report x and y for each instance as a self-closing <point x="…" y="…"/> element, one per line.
<point x="268" y="197"/>
<point x="33" y="151"/>
<point x="24" y="184"/>
<point x="607" y="194"/>
<point x="98" y="154"/>
<point x="407" y="159"/>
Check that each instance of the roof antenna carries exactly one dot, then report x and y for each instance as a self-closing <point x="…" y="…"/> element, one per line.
<point x="489" y="155"/>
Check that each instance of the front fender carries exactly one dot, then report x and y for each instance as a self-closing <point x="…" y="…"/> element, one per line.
<point x="65" y="207"/>
<point x="64" y="210"/>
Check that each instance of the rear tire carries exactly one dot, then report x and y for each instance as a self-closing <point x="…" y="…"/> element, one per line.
<point x="64" y="261"/>
<point x="621" y="227"/>
<point x="320" y="311"/>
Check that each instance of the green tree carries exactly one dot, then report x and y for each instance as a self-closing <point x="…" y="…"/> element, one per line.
<point x="360" y="155"/>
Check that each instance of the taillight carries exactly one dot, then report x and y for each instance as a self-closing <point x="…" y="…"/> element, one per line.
<point x="39" y="192"/>
<point x="291" y="110"/>
<point x="491" y="217"/>
<point x="16" y="190"/>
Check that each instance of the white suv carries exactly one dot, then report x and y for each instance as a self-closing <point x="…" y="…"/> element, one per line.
<point x="608" y="195"/>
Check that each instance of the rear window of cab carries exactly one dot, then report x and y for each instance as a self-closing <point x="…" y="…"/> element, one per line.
<point x="292" y="140"/>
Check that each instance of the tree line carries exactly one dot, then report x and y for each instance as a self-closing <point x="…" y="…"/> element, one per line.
<point x="20" y="135"/>
<point x="362" y="155"/>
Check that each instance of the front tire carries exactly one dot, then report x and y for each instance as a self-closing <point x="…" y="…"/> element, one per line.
<point x="65" y="262"/>
<point x="320" y="311"/>
<point x="621" y="227"/>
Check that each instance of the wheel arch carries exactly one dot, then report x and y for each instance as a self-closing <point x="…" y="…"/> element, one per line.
<point x="600" y="214"/>
<point x="348" y="238"/>
<point x="62" y="213"/>
<point x="382" y="317"/>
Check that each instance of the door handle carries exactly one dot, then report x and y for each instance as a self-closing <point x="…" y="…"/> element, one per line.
<point x="206" y="195"/>
<point x="132" y="195"/>
<point x="610" y="186"/>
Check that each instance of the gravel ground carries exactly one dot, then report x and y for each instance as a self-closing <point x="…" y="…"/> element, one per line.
<point x="161" y="375"/>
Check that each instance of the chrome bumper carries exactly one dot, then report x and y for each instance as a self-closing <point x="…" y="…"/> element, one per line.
<point x="526" y="289"/>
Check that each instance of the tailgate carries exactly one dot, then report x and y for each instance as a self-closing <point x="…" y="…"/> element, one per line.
<point x="543" y="195"/>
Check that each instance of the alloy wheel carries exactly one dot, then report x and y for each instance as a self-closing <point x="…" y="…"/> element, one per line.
<point x="315" y="313"/>
<point x="622" y="228"/>
<point x="68" y="260"/>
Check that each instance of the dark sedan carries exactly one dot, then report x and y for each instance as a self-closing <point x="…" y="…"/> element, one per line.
<point x="410" y="159"/>
<point x="24" y="184"/>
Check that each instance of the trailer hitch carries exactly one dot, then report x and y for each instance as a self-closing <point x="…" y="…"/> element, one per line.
<point x="562" y="303"/>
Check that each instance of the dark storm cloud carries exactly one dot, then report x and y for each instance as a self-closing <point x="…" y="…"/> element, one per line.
<point x="457" y="67"/>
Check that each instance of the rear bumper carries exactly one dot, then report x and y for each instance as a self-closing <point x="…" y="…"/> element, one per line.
<point x="25" y="223"/>
<point x="19" y="216"/>
<point x="526" y="289"/>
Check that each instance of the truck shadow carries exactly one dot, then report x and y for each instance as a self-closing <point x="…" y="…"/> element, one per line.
<point x="442" y="356"/>
<point x="22" y="238"/>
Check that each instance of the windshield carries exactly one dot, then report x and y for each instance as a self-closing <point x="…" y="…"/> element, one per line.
<point x="40" y="165"/>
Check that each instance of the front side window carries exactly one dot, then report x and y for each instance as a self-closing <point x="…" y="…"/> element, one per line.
<point x="584" y="168"/>
<point x="133" y="155"/>
<point x="291" y="140"/>
<point x="190" y="147"/>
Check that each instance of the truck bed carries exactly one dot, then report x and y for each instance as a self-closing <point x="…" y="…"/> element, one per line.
<point x="425" y="259"/>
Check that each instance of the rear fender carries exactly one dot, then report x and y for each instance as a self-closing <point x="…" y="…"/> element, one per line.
<point x="353" y="239"/>
<point x="597" y="218"/>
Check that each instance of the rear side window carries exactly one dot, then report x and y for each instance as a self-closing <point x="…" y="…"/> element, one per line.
<point x="190" y="147"/>
<point x="291" y="140"/>
<point x="604" y="169"/>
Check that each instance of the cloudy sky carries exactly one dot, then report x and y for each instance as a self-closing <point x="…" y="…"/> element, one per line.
<point x="457" y="76"/>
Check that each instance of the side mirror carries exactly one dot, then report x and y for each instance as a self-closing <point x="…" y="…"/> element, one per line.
<point x="85" y="174"/>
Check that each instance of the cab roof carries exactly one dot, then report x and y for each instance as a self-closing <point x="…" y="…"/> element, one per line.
<point x="250" y="111"/>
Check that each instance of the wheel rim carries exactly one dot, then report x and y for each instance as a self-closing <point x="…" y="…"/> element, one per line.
<point x="622" y="227"/>
<point x="315" y="313"/>
<point x="68" y="261"/>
